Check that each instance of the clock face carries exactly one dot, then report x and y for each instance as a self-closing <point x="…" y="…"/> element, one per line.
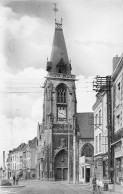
<point x="62" y="112"/>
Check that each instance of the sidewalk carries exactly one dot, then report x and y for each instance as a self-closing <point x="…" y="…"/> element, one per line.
<point x="88" y="187"/>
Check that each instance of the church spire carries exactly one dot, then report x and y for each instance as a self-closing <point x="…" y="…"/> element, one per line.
<point x="59" y="62"/>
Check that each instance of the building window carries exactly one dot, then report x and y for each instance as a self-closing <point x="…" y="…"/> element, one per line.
<point x="83" y="172"/>
<point x="105" y="143"/>
<point x="100" y="116"/>
<point x="96" y="144"/>
<point x="61" y="66"/>
<point x="118" y="86"/>
<point x="118" y="94"/>
<point x="61" y="94"/>
<point x="117" y="122"/>
<point x="87" y="150"/>
<point x="100" y="142"/>
<point x="118" y="170"/>
<point x="105" y="168"/>
<point x="96" y="120"/>
<point x="121" y="119"/>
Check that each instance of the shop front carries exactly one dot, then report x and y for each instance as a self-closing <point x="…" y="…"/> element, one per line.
<point x="118" y="165"/>
<point x="101" y="168"/>
<point x="85" y="164"/>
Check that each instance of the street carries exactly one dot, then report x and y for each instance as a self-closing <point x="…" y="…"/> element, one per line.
<point x="43" y="187"/>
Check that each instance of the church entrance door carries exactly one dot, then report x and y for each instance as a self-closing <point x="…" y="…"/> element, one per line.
<point x="61" y="165"/>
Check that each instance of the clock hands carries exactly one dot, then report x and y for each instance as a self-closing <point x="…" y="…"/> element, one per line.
<point x="62" y="113"/>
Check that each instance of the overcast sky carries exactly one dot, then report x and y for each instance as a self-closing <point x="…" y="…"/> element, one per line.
<point x="94" y="35"/>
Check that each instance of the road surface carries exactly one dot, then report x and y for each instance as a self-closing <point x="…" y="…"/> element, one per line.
<point x="45" y="187"/>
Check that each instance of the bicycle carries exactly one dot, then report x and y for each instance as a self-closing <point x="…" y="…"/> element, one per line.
<point x="97" y="189"/>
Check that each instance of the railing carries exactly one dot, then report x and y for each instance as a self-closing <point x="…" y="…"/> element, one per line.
<point x="61" y="76"/>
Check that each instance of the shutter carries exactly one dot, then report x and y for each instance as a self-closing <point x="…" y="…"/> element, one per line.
<point x="122" y="87"/>
<point x="114" y="95"/>
<point x="121" y="119"/>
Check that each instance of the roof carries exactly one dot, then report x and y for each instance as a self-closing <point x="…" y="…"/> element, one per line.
<point x="59" y="47"/>
<point x="21" y="147"/>
<point x="118" y="68"/>
<point x="85" y="124"/>
<point x="32" y="143"/>
<point x="59" y="51"/>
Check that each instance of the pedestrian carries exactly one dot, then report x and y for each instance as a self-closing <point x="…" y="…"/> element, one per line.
<point x="94" y="183"/>
<point x="17" y="179"/>
<point x="13" y="179"/>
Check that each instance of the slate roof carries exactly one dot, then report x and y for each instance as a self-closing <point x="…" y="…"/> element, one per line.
<point x="85" y="124"/>
<point x="59" y="51"/>
<point x="59" y="48"/>
<point x="21" y="147"/>
<point x="32" y="143"/>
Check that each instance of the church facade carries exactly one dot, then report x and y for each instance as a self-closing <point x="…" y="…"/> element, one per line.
<point x="62" y="154"/>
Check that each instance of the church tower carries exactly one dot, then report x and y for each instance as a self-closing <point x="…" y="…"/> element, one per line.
<point x="58" y="110"/>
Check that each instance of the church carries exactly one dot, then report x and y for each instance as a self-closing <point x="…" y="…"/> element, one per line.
<point x="59" y="141"/>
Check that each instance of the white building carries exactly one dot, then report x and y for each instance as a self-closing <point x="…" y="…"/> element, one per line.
<point x="117" y="94"/>
<point x="100" y="136"/>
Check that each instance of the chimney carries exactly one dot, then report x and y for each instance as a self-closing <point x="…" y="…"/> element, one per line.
<point x="115" y="61"/>
<point x="3" y="160"/>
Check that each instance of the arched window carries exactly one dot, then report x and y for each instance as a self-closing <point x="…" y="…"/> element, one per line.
<point x="61" y="94"/>
<point x="87" y="150"/>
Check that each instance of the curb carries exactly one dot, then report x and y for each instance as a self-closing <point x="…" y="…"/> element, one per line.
<point x="18" y="186"/>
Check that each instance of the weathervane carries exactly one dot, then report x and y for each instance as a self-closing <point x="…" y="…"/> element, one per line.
<point x="55" y="10"/>
<point x="57" y="24"/>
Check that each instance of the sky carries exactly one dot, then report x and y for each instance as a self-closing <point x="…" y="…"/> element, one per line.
<point x="93" y="34"/>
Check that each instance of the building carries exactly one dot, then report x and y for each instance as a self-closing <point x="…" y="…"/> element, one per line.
<point x="100" y="136"/>
<point x="15" y="160"/>
<point x="21" y="161"/>
<point x="117" y="142"/>
<point x="55" y="159"/>
<point x="30" y="159"/>
<point x="84" y="124"/>
<point x="40" y="151"/>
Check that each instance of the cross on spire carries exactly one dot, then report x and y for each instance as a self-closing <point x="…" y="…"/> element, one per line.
<point x="55" y="9"/>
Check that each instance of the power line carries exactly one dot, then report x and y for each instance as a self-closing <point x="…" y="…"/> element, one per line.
<point x="17" y="92"/>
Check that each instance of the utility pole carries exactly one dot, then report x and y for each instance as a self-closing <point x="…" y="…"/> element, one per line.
<point x="74" y="152"/>
<point x="68" y="153"/>
<point x="103" y="84"/>
<point x="74" y="158"/>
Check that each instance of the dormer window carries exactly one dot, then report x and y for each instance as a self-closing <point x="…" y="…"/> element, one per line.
<point x="61" y="66"/>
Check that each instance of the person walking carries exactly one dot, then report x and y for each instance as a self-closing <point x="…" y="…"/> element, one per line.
<point x="94" y="183"/>
<point x="17" y="179"/>
<point x="13" y="179"/>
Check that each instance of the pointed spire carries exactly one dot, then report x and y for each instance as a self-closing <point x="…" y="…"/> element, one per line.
<point x="59" y="62"/>
<point x="59" y="51"/>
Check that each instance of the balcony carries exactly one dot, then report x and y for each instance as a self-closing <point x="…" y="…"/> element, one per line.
<point x="117" y="136"/>
<point x="61" y="76"/>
